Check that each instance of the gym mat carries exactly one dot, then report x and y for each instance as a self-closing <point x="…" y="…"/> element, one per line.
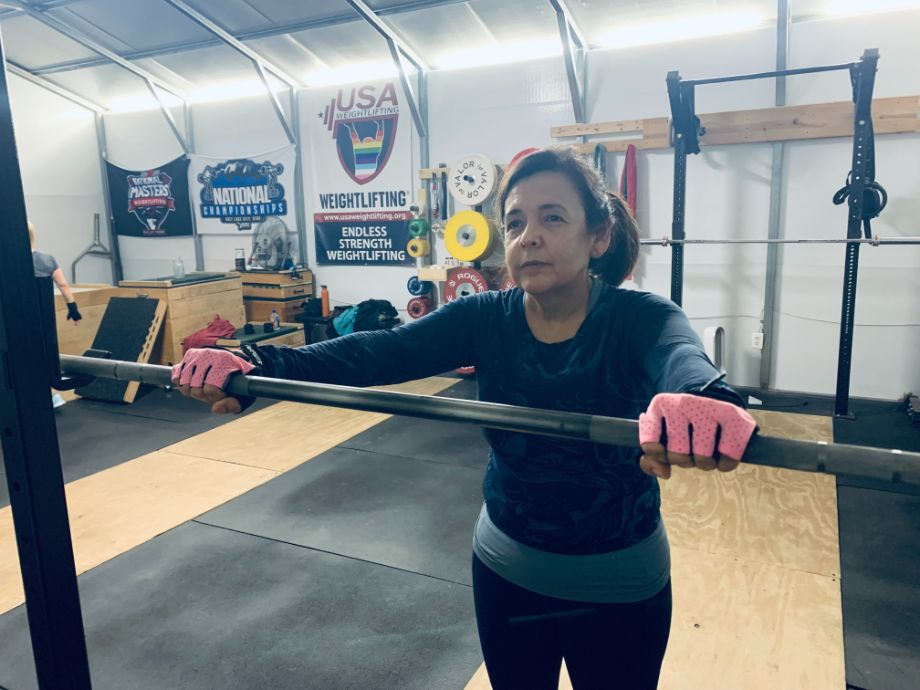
<point x="408" y="514"/>
<point x="128" y="330"/>
<point x="95" y="435"/>
<point x="425" y="439"/>
<point x="204" y="608"/>
<point x="881" y="590"/>
<point x="122" y="507"/>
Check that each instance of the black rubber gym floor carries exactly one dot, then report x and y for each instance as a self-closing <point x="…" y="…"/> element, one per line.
<point x="352" y="571"/>
<point x="94" y="435"/>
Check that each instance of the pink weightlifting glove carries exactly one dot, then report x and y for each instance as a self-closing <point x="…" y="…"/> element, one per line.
<point x="203" y="373"/>
<point x="691" y="426"/>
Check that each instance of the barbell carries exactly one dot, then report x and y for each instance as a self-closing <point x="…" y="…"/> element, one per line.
<point x="875" y="241"/>
<point x="896" y="466"/>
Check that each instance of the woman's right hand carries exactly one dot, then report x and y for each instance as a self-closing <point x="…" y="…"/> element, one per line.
<point x="203" y="374"/>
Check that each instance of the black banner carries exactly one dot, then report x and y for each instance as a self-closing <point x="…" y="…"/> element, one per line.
<point x="151" y="203"/>
<point x="375" y="238"/>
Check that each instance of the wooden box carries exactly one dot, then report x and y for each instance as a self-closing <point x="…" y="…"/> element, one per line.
<point x="261" y="309"/>
<point x="278" y="285"/>
<point x="191" y="306"/>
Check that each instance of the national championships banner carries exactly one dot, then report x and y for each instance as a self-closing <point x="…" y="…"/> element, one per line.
<point x="362" y="174"/>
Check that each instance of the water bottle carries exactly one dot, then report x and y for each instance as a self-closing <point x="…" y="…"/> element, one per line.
<point x="276" y="320"/>
<point x="178" y="268"/>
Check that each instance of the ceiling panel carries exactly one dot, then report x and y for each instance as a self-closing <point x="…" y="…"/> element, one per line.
<point x="202" y="68"/>
<point x="239" y="16"/>
<point x="105" y="84"/>
<point x="341" y="44"/>
<point x="31" y="44"/>
<point x="596" y="17"/>
<point x="131" y="25"/>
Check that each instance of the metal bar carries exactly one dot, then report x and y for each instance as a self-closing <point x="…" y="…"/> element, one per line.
<point x="77" y="36"/>
<point x="274" y="30"/>
<point x="387" y="32"/>
<point x="571" y="73"/>
<point x="892" y="465"/>
<point x="30" y="447"/>
<point x="168" y="115"/>
<point x="774" y="223"/>
<point x="420" y="124"/>
<point x="682" y="119"/>
<point x="276" y="103"/>
<point x="196" y="236"/>
<point x="117" y="273"/>
<point x="863" y="77"/>
<point x="301" y="210"/>
<point x="578" y="35"/>
<point x="13" y="68"/>
<point x="767" y="75"/>
<point x="873" y="241"/>
<point x="231" y="41"/>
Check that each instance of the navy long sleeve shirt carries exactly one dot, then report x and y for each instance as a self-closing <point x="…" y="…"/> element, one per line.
<point x="558" y="495"/>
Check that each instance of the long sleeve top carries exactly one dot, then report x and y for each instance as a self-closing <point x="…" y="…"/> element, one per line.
<point x="557" y="495"/>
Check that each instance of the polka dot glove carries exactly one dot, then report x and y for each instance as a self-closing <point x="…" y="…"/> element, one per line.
<point x="692" y="424"/>
<point x="204" y="365"/>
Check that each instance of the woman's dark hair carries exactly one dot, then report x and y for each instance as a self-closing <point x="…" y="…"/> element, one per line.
<point x="601" y="207"/>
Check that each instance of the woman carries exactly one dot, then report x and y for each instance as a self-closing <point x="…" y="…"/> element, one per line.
<point x="46" y="266"/>
<point x="570" y="556"/>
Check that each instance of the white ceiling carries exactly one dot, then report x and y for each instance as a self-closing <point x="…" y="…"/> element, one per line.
<point x="299" y="37"/>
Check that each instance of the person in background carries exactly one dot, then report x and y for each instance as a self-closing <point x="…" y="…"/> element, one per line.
<point x="46" y="266"/>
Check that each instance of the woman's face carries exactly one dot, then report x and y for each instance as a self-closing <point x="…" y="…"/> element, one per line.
<point x="547" y="244"/>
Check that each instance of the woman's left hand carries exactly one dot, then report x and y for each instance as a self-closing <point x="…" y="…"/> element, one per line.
<point x="692" y="431"/>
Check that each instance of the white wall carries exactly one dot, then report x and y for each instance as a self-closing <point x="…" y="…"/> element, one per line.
<point x="61" y="176"/>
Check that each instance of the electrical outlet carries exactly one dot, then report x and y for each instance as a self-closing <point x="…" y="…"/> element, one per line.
<point x="757" y="340"/>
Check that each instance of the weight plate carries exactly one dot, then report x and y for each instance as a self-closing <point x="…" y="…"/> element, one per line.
<point x="418" y="227"/>
<point x="472" y="180"/>
<point x="462" y="282"/>
<point x="418" y="287"/>
<point x="521" y="154"/>
<point x="468" y="236"/>
<point x="466" y="371"/>
<point x="419" y="306"/>
<point x="418" y="247"/>
<point x="508" y="284"/>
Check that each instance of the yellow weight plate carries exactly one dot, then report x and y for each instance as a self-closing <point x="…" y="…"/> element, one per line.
<point x="418" y="246"/>
<point x="468" y="236"/>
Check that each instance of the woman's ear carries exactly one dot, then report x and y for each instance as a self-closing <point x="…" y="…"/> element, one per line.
<point x="602" y="240"/>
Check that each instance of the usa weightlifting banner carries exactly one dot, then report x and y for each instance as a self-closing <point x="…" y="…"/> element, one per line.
<point x="362" y="175"/>
<point x="150" y="203"/>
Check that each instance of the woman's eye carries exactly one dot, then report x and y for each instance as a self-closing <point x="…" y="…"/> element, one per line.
<point x="553" y="218"/>
<point x="513" y="226"/>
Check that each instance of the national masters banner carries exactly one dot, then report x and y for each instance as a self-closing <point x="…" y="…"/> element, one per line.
<point x="150" y="203"/>
<point x="238" y="195"/>
<point x="362" y="175"/>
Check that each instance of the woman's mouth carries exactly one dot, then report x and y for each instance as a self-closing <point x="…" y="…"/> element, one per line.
<point x="533" y="264"/>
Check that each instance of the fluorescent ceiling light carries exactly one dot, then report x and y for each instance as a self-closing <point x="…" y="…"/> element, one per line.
<point x="358" y="71"/>
<point x="852" y="8"/>
<point x="682" y="28"/>
<point x="499" y="54"/>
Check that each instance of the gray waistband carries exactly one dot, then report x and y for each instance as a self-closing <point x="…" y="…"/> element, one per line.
<point x="632" y="574"/>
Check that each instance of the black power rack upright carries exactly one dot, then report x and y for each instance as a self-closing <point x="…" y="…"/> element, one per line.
<point x="686" y="133"/>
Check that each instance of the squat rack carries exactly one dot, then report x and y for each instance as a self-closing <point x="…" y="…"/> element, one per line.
<point x="686" y="131"/>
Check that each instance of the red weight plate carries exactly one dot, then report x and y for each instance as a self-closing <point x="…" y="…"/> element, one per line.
<point x="508" y="284"/>
<point x="521" y="154"/>
<point x="466" y="371"/>
<point x="462" y="282"/>
<point x="418" y="307"/>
